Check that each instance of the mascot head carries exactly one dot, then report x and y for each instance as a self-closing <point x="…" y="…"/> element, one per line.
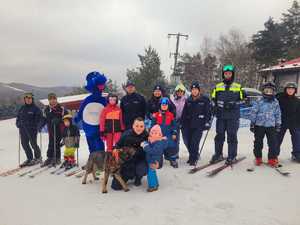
<point x="95" y="82"/>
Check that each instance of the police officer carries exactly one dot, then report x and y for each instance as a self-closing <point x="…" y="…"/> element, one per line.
<point x="226" y="97"/>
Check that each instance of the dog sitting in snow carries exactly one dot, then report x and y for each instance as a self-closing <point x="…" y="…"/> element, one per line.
<point x="113" y="163"/>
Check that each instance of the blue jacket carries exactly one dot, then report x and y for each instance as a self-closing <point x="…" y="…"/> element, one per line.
<point x="29" y="117"/>
<point x="154" y="151"/>
<point x="266" y="113"/>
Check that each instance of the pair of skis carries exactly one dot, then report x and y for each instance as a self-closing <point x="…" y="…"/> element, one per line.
<point x="279" y="168"/>
<point x="217" y="170"/>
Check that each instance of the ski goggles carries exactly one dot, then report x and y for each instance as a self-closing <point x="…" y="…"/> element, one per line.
<point x="228" y="68"/>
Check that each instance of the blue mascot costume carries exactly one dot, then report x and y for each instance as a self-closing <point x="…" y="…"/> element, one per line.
<point x="90" y="110"/>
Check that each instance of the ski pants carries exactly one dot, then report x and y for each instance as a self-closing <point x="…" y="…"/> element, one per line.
<point x="172" y="151"/>
<point x="54" y="144"/>
<point x="111" y="140"/>
<point x="295" y="136"/>
<point x="152" y="178"/>
<point x="191" y="139"/>
<point x="259" y="134"/>
<point x="29" y="142"/>
<point x="229" y="126"/>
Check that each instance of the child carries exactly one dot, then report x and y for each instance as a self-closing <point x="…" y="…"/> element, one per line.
<point x="70" y="139"/>
<point x="111" y="122"/>
<point x="266" y="120"/>
<point x="154" y="149"/>
<point x="167" y="122"/>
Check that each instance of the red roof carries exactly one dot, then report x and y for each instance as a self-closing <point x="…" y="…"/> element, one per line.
<point x="289" y="65"/>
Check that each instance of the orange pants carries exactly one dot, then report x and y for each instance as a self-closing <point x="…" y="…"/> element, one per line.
<point x="111" y="140"/>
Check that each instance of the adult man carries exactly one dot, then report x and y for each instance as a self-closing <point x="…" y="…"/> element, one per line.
<point x="133" y="105"/>
<point x="29" y="121"/>
<point x="136" y="167"/>
<point x="226" y="97"/>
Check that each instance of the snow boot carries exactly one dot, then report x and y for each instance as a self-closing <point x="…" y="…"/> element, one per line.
<point x="174" y="163"/>
<point x="138" y="181"/>
<point x="258" y="161"/>
<point x="152" y="189"/>
<point x="216" y="158"/>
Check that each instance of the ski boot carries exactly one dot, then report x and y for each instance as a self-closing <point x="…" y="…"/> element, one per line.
<point x="38" y="161"/>
<point x="273" y="162"/>
<point x="47" y="162"/>
<point x="216" y="158"/>
<point x="28" y="162"/>
<point x="229" y="161"/>
<point x="258" y="161"/>
<point x="174" y="163"/>
<point x="54" y="163"/>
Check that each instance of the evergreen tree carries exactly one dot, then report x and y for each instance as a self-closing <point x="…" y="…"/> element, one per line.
<point x="148" y="74"/>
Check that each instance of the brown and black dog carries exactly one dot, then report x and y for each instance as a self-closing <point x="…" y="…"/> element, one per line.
<point x="94" y="163"/>
<point x="113" y="166"/>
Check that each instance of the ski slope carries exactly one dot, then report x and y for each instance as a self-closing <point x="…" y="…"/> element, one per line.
<point x="234" y="197"/>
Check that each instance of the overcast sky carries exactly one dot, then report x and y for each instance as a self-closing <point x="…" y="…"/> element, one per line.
<point x="56" y="42"/>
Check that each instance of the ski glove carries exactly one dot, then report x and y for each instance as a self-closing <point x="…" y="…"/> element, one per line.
<point x="252" y="127"/>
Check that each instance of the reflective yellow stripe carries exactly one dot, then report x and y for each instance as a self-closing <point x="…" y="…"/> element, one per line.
<point x="235" y="87"/>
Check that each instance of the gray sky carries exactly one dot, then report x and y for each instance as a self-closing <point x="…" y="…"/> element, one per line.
<point x="56" y="42"/>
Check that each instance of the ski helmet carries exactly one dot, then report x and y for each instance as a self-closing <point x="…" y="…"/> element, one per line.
<point x="269" y="85"/>
<point x="28" y="95"/>
<point x="52" y="95"/>
<point x="164" y="101"/>
<point x="228" y="68"/>
<point x="291" y="85"/>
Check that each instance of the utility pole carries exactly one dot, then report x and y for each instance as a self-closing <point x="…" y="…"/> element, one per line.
<point x="175" y="77"/>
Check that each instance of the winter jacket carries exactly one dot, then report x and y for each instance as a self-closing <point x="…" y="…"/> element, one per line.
<point x="226" y="98"/>
<point x="53" y="118"/>
<point x="266" y="113"/>
<point x="155" y="150"/>
<point x="133" y="106"/>
<point x="290" y="110"/>
<point x="130" y="139"/>
<point x="196" y="113"/>
<point x="166" y="121"/>
<point x="153" y="106"/>
<point x="179" y="105"/>
<point x="111" y="119"/>
<point x="29" y="117"/>
<point x="71" y="136"/>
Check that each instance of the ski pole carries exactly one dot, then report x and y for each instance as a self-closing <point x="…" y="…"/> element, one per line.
<point x="19" y="150"/>
<point x="54" y="147"/>
<point x="203" y="143"/>
<point x="77" y="157"/>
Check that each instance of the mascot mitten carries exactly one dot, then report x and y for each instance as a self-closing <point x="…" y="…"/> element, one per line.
<point x="91" y="108"/>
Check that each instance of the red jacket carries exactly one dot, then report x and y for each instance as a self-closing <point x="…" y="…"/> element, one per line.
<point x="111" y="119"/>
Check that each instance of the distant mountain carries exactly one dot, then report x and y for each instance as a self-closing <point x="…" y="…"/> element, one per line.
<point x="11" y="96"/>
<point x="13" y="92"/>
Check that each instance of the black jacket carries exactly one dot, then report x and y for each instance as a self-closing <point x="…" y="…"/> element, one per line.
<point x="196" y="112"/>
<point x="290" y="110"/>
<point x="29" y="117"/>
<point x="130" y="139"/>
<point x="133" y="106"/>
<point x="53" y="118"/>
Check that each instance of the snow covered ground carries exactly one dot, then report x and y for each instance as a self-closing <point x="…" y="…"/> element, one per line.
<point x="234" y="197"/>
